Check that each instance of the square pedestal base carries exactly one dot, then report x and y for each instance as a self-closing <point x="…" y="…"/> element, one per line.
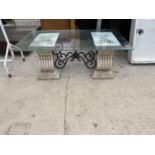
<point x="102" y="74"/>
<point x="49" y="75"/>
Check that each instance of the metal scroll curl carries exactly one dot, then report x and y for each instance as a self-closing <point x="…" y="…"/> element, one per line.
<point x="88" y="58"/>
<point x="58" y="47"/>
<point x="62" y="59"/>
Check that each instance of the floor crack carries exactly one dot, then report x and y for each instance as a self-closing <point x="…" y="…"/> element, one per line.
<point x="66" y="131"/>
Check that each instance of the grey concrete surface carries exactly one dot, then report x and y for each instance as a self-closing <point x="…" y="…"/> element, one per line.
<point x="77" y="104"/>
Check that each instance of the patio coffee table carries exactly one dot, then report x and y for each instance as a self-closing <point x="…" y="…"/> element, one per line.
<point x="56" y="47"/>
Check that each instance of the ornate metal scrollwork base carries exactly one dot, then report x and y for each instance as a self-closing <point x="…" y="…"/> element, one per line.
<point x="62" y="58"/>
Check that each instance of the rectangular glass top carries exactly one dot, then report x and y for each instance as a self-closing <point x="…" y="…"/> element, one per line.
<point x="69" y="40"/>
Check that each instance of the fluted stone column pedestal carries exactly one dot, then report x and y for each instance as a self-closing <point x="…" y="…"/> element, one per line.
<point x="104" y="65"/>
<point x="48" y="72"/>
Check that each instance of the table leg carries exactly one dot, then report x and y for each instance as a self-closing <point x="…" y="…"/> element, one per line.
<point x="104" y="65"/>
<point x="48" y="72"/>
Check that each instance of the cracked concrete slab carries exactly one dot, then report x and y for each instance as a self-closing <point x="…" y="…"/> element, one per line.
<point x="65" y="112"/>
<point x="111" y="107"/>
<point x="25" y="99"/>
<point x="77" y="104"/>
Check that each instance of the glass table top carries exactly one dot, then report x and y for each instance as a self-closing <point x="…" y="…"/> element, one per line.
<point x="69" y="40"/>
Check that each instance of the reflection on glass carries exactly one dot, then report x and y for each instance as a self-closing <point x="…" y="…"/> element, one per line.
<point x="104" y="39"/>
<point x="45" y="40"/>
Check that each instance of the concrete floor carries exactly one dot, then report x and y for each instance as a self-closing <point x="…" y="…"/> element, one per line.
<point x="77" y="104"/>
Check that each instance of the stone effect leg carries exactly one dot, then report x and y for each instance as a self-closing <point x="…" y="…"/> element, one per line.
<point x="48" y="71"/>
<point x="104" y="65"/>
